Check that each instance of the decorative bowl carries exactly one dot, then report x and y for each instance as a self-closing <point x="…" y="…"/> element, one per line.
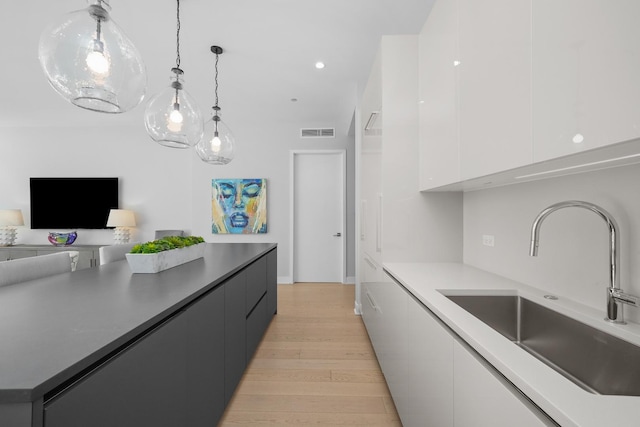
<point x="62" y="239"/>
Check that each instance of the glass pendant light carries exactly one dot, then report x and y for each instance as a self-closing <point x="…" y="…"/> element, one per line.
<point x="172" y="117"/>
<point x="217" y="145"/>
<point x="90" y="61"/>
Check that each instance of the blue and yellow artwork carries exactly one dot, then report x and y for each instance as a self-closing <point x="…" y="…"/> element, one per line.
<point x="239" y="206"/>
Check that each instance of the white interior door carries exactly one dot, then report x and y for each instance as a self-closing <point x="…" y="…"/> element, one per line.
<point x="318" y="216"/>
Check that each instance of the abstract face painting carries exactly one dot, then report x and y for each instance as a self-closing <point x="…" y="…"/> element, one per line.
<point x="239" y="206"/>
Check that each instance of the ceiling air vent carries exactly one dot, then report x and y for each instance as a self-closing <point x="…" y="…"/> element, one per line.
<point x="318" y="133"/>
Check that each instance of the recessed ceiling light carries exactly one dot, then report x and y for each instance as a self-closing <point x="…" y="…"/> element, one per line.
<point x="319" y="65"/>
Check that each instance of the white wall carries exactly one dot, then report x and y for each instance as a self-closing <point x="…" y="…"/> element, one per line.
<point x="573" y="258"/>
<point x="166" y="188"/>
<point x="265" y="154"/>
<point x="154" y="181"/>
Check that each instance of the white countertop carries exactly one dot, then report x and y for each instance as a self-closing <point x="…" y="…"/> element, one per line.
<point x="565" y="402"/>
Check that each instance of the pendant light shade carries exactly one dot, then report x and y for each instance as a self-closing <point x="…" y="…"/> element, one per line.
<point x="217" y="145"/>
<point x="172" y="117"/>
<point x="90" y="61"/>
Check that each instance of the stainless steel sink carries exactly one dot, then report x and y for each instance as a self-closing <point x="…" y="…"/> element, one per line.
<point x="596" y="361"/>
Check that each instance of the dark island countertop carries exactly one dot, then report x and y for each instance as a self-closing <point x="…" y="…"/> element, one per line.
<point x="52" y="329"/>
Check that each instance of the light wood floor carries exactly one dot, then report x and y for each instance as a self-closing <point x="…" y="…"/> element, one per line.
<point x="315" y="366"/>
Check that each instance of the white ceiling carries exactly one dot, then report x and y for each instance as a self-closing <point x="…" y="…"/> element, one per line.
<point x="270" y="46"/>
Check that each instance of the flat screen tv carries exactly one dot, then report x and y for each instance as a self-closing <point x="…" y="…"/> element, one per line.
<point x="72" y="203"/>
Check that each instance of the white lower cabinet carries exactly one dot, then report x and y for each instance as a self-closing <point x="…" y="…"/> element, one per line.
<point x="483" y="398"/>
<point x="395" y="338"/>
<point x="436" y="380"/>
<point x="430" y="369"/>
<point x="385" y="316"/>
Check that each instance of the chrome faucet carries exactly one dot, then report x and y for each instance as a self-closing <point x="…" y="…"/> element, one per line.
<point x="615" y="296"/>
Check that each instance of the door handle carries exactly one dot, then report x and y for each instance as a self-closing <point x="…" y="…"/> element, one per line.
<point x="337" y="235"/>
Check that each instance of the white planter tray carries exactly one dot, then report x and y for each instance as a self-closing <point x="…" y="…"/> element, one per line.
<point x="154" y="263"/>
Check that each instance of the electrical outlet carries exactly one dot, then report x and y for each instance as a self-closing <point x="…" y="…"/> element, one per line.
<point x="488" y="240"/>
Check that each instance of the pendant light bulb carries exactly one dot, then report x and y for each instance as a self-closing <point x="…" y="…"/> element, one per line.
<point x="98" y="62"/>
<point x="172" y="117"/>
<point x="218" y="143"/>
<point x="90" y="62"/>
<point x="176" y="116"/>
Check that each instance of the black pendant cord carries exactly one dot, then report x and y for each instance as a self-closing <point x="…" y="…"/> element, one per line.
<point x="216" y="110"/>
<point x="216" y="78"/>
<point x="178" y="35"/>
<point x="177" y="70"/>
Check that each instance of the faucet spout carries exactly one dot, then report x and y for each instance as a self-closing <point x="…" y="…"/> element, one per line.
<point x="614" y="309"/>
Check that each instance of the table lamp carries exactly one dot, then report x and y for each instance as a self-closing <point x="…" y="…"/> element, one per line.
<point x="122" y="220"/>
<point x="9" y="219"/>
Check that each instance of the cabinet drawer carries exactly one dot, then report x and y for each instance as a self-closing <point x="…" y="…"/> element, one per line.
<point x="257" y="323"/>
<point x="235" y="333"/>
<point x="272" y="282"/>
<point x="256" y="283"/>
<point x="143" y="385"/>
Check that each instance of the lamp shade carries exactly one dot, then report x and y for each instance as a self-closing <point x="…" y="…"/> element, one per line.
<point x="121" y="218"/>
<point x="217" y="144"/>
<point x="11" y="217"/>
<point x="91" y="62"/>
<point x="172" y="117"/>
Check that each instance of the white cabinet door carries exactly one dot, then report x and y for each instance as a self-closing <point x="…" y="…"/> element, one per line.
<point x="438" y="56"/>
<point x="495" y="86"/>
<point x="586" y="63"/>
<point x="370" y="204"/>
<point x="430" y="370"/>
<point x="384" y="311"/>
<point x="370" y="315"/>
<point x="394" y="342"/>
<point x="483" y="399"/>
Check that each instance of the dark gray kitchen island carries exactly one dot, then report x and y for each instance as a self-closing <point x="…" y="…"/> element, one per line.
<point x="106" y="347"/>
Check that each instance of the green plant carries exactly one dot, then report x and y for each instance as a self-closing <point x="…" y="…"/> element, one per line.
<point x="166" y="244"/>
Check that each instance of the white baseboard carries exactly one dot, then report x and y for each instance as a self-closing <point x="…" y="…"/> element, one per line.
<point x="350" y="280"/>
<point x="357" y="309"/>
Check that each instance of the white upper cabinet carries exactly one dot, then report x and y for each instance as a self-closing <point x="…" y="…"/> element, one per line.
<point x="512" y="84"/>
<point x="475" y="90"/>
<point x="494" y="86"/>
<point x="438" y="54"/>
<point x="586" y="75"/>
